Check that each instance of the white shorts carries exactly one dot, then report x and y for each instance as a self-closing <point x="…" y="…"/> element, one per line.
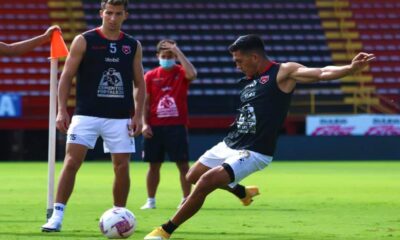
<point x="242" y="162"/>
<point x="85" y="130"/>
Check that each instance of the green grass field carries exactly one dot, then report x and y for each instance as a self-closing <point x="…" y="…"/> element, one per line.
<point x="299" y="200"/>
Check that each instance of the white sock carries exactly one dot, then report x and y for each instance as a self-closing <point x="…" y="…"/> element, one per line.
<point x="58" y="211"/>
<point x="151" y="200"/>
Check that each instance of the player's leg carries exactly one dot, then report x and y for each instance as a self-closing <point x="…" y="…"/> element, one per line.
<point x="183" y="167"/>
<point x="122" y="180"/>
<point x="74" y="157"/>
<point x="153" y="153"/>
<point x="177" y="147"/>
<point x="243" y="164"/>
<point x="196" y="171"/>
<point x="117" y="141"/>
<point x="244" y="193"/>
<point x="82" y="134"/>
<point x="215" y="157"/>
<point x="208" y="182"/>
<point x="233" y="170"/>
<point x="75" y="154"/>
<point x="152" y="181"/>
<point x="213" y="179"/>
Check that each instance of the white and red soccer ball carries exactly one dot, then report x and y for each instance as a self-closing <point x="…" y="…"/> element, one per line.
<point x="117" y="223"/>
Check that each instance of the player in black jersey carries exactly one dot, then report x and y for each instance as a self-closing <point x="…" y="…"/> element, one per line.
<point x="250" y="144"/>
<point x="22" y="47"/>
<point x="109" y="103"/>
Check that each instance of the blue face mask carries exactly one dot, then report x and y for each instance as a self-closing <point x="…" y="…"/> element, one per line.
<point x="166" y="63"/>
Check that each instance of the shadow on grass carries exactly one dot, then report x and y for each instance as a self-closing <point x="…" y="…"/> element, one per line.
<point x="58" y="235"/>
<point x="240" y="209"/>
<point x="191" y="235"/>
<point x="19" y="221"/>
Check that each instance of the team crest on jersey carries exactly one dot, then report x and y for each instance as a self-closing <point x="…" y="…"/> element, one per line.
<point x="264" y="79"/>
<point x="126" y="49"/>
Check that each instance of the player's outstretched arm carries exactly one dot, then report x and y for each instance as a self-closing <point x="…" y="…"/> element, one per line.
<point x="25" y="46"/>
<point x="303" y="74"/>
<point x="74" y="58"/>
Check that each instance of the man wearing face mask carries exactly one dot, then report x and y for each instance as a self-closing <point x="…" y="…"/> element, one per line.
<point x="166" y="117"/>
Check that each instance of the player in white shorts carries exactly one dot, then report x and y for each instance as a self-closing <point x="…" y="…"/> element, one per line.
<point x="110" y="94"/>
<point x="116" y="134"/>
<point x="241" y="163"/>
<point x="250" y="144"/>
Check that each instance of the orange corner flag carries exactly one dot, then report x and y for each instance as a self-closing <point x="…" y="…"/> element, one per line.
<point x="58" y="48"/>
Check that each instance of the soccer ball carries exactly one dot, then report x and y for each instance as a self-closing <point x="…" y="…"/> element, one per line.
<point x="117" y="223"/>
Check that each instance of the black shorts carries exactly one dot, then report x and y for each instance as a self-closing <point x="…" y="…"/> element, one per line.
<point x="170" y="140"/>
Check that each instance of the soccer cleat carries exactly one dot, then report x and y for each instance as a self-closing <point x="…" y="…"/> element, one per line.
<point x="148" y="205"/>
<point x="52" y="226"/>
<point x="251" y="191"/>
<point x="158" y="234"/>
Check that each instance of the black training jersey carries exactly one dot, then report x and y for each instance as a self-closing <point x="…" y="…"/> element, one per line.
<point x="262" y="111"/>
<point x="104" y="85"/>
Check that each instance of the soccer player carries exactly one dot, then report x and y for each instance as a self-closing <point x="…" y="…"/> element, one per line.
<point x="110" y="89"/>
<point x="250" y="144"/>
<point x="166" y="117"/>
<point x="22" y="47"/>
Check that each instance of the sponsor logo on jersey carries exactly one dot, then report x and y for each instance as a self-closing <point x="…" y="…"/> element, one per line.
<point x="251" y="85"/>
<point x="247" y="120"/>
<point x="167" y="107"/>
<point x="249" y="95"/>
<point x="111" y="60"/>
<point x="126" y="49"/>
<point x="111" y="85"/>
<point x="166" y="89"/>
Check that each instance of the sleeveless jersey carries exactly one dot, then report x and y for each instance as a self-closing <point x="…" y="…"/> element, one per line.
<point x="104" y="85"/>
<point x="262" y="111"/>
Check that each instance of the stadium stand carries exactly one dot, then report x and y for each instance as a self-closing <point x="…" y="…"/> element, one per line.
<point x="353" y="26"/>
<point x="381" y="37"/>
<point x="204" y="30"/>
<point x="26" y="75"/>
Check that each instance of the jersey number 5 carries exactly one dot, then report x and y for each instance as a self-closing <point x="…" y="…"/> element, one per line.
<point x="113" y="47"/>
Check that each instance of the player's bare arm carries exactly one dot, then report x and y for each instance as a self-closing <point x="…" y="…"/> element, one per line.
<point x="78" y="48"/>
<point x="190" y="70"/>
<point x="139" y="91"/>
<point x="292" y="73"/>
<point x="25" y="46"/>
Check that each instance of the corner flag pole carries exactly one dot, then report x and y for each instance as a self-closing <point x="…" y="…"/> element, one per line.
<point x="58" y="49"/>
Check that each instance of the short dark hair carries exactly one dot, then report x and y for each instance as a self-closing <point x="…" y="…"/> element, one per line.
<point x="248" y="43"/>
<point x="115" y="3"/>
<point x="159" y="48"/>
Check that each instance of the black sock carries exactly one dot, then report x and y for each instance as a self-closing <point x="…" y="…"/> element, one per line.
<point x="239" y="191"/>
<point x="169" y="227"/>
